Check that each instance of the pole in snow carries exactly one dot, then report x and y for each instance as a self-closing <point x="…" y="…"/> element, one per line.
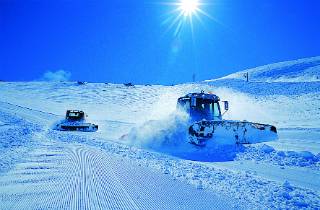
<point x="246" y="75"/>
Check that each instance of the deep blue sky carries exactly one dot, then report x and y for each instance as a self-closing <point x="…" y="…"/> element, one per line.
<point x="127" y="41"/>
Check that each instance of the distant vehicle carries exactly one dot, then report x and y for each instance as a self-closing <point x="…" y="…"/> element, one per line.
<point x="81" y="83"/>
<point x="128" y="84"/>
<point x="75" y="121"/>
<point x="207" y="123"/>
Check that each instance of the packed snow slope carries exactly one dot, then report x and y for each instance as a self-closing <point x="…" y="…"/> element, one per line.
<point x="301" y="70"/>
<point x="43" y="168"/>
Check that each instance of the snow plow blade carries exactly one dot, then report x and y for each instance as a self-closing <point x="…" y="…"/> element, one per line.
<point x="87" y="127"/>
<point x="230" y="132"/>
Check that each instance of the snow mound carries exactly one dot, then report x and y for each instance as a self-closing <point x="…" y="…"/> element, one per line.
<point x="301" y="70"/>
<point x="267" y="154"/>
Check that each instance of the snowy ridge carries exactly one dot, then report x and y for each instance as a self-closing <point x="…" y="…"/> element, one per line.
<point x="301" y="70"/>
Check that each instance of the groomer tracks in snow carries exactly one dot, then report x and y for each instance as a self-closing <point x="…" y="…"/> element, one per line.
<point x="42" y="168"/>
<point x="68" y="175"/>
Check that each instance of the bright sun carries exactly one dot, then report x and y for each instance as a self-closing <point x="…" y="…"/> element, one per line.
<point x="185" y="11"/>
<point x="188" y="7"/>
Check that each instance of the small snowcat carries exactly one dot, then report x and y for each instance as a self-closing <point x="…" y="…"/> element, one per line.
<point x="75" y="121"/>
<point x="207" y="123"/>
<point x="128" y="84"/>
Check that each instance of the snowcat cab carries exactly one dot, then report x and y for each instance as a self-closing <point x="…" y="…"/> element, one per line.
<point x="201" y="106"/>
<point x="74" y="115"/>
<point x="75" y="121"/>
<point x="205" y="114"/>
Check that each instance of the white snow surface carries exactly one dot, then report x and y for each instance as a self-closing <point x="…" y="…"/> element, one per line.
<point x="41" y="168"/>
<point x="301" y="70"/>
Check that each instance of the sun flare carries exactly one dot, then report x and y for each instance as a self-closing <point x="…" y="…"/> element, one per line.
<point x="188" y="7"/>
<point x="185" y="12"/>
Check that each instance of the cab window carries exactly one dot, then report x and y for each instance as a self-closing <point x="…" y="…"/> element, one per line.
<point x="216" y="111"/>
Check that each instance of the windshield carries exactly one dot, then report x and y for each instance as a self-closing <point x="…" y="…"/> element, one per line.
<point x="72" y="114"/>
<point x="75" y="115"/>
<point x="207" y="109"/>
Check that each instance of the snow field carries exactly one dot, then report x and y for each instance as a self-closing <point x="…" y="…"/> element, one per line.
<point x="60" y="172"/>
<point x="51" y="169"/>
